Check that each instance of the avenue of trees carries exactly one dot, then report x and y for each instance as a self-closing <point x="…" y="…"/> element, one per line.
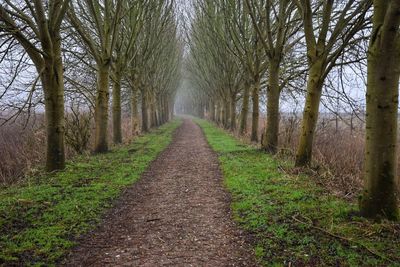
<point x="77" y="52"/>
<point x="239" y="48"/>
<point x="110" y="58"/>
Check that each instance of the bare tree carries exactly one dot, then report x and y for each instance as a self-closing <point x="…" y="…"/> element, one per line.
<point x="36" y="27"/>
<point x="329" y="27"/>
<point x="131" y="25"/>
<point x="276" y="23"/>
<point x="97" y="24"/>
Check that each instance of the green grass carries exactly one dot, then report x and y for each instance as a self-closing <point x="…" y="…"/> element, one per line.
<point x="291" y="219"/>
<point x="40" y="220"/>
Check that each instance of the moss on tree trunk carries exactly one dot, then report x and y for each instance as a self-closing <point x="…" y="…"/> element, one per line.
<point x="379" y="198"/>
<point x="52" y="80"/>
<point x="145" y="113"/>
<point x="255" y="98"/>
<point x="311" y="112"/>
<point x="116" y="108"/>
<point x="270" y="137"/>
<point x="233" y="113"/>
<point x="134" y="113"/>
<point x="101" y="108"/>
<point x="245" y="110"/>
<point x="222" y="115"/>
<point x="212" y="111"/>
<point x="227" y="113"/>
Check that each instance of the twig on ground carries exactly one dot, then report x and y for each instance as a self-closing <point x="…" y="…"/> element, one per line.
<point x="348" y="240"/>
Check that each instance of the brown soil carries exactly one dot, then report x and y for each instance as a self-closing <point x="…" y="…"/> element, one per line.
<point x="177" y="214"/>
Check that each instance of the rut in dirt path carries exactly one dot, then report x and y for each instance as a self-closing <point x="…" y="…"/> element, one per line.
<point x="177" y="214"/>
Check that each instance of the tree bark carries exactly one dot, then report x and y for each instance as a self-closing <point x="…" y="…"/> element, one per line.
<point x="218" y="113"/>
<point x="159" y="109"/>
<point x="171" y="106"/>
<point x="212" y="111"/>
<point x="200" y="110"/>
<point x="134" y="113"/>
<point x="153" y="115"/>
<point x="310" y="115"/>
<point x="379" y="199"/>
<point x="101" y="109"/>
<point x="166" y="110"/>
<point x="222" y="114"/>
<point x="233" y="113"/>
<point x="245" y="111"/>
<point x="116" y="107"/>
<point x="145" y="114"/>
<point x="53" y="85"/>
<point x="270" y="138"/>
<point x="256" y="113"/>
<point x="226" y="114"/>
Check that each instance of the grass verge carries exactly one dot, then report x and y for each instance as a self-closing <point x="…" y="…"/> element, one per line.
<point x="40" y="220"/>
<point x="294" y="222"/>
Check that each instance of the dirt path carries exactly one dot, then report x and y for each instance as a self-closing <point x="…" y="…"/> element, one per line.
<point x="176" y="215"/>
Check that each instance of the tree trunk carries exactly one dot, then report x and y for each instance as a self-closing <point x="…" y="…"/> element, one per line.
<point x="159" y="113"/>
<point x="226" y="114"/>
<point x="310" y="114"/>
<point x="217" y="112"/>
<point x="270" y="138"/>
<point x="200" y="110"/>
<point x="153" y="115"/>
<point x="52" y="80"/>
<point x="165" y="110"/>
<point x="134" y="113"/>
<point x="161" y="109"/>
<point x="233" y="112"/>
<point x="116" y="106"/>
<point x="379" y="199"/>
<point x="245" y="111"/>
<point x="212" y="111"/>
<point x="222" y="114"/>
<point x="256" y="113"/>
<point x="171" y="109"/>
<point x="101" y="109"/>
<point x="145" y="114"/>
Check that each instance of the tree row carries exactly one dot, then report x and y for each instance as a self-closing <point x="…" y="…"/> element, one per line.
<point x="85" y="50"/>
<point x="240" y="48"/>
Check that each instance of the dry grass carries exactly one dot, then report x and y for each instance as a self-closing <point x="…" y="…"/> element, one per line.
<point x="23" y="149"/>
<point x="338" y="152"/>
<point x="338" y="155"/>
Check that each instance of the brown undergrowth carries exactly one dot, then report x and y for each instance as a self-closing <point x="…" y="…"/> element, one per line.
<point x="23" y="147"/>
<point x="338" y="152"/>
